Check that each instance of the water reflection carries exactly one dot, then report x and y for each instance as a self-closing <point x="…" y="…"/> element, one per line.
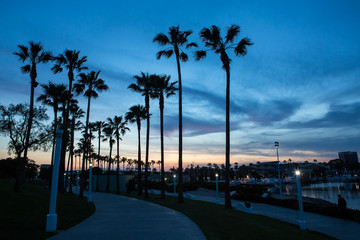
<point x="330" y="191"/>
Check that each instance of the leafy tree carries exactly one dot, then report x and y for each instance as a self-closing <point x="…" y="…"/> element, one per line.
<point x="143" y="86"/>
<point x="214" y="42"/>
<point x="71" y="61"/>
<point x="161" y="87"/>
<point x="136" y="114"/>
<point x="88" y="84"/>
<point x="120" y="128"/>
<point x="14" y="124"/>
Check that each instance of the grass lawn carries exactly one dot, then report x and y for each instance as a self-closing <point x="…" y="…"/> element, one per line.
<point x="219" y="223"/>
<point x="23" y="214"/>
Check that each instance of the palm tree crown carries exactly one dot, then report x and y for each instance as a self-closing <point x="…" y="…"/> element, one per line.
<point x="213" y="41"/>
<point x="136" y="114"/>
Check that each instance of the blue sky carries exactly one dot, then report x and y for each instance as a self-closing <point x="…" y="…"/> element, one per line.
<point x="298" y="84"/>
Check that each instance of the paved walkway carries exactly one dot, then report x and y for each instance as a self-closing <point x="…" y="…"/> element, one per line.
<point x="119" y="217"/>
<point x="335" y="227"/>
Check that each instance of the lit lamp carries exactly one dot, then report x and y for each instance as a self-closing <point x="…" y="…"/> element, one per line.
<point x="65" y="181"/>
<point x="302" y="222"/>
<point x="217" y="188"/>
<point x="277" y="154"/>
<point x="90" y="182"/>
<point x="174" y="183"/>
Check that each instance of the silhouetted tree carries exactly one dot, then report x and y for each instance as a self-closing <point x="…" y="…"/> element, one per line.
<point x="136" y="114"/>
<point x="161" y="87"/>
<point x="143" y="86"/>
<point x="89" y="84"/>
<point x="71" y="61"/>
<point x="214" y="42"/>
<point x="176" y="39"/>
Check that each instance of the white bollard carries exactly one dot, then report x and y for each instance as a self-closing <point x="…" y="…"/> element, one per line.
<point x="51" y="219"/>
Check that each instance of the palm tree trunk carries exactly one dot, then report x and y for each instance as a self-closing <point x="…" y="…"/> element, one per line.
<point x="180" y="183"/>
<point x="72" y="152"/>
<point x="108" y="173"/>
<point x="97" y="174"/>
<point x="139" y="162"/>
<point x="147" y="144"/>
<point x="227" y="154"/>
<point x="53" y="146"/>
<point x="65" y="138"/>
<point x="82" y="182"/>
<point x="118" y="161"/>
<point x="162" y="146"/>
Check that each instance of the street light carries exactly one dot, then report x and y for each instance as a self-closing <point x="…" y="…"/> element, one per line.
<point x="217" y="188"/>
<point x="90" y="182"/>
<point x="302" y="222"/>
<point x="277" y="154"/>
<point x="174" y="183"/>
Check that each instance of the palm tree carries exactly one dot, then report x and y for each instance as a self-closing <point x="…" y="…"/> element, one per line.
<point x="152" y="163"/>
<point x="99" y="126"/>
<point x="213" y="41"/>
<point x="52" y="96"/>
<point x="71" y="61"/>
<point x="89" y="84"/>
<point x="109" y="132"/>
<point x="162" y="87"/>
<point x="136" y="114"/>
<point x="33" y="56"/>
<point x="76" y="113"/>
<point x="176" y="40"/>
<point x="123" y="160"/>
<point x="143" y="86"/>
<point x="120" y="128"/>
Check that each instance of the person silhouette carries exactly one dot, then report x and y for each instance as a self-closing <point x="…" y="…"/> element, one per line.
<point x="342" y="205"/>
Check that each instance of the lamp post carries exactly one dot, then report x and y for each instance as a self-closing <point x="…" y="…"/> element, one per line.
<point x="90" y="182"/>
<point x="77" y="182"/>
<point x="277" y="154"/>
<point x="302" y="222"/>
<point x="65" y="181"/>
<point x="175" y="183"/>
<point x="51" y="218"/>
<point x="217" y="188"/>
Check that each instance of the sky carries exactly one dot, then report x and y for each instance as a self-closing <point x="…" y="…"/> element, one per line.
<point x="298" y="84"/>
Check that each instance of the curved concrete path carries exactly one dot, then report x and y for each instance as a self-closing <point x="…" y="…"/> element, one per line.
<point x="119" y="217"/>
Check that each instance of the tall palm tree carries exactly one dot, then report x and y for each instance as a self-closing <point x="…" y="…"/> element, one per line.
<point x="120" y="128"/>
<point x="99" y="126"/>
<point x="136" y="114"/>
<point x="52" y="96"/>
<point x="161" y="87"/>
<point x="89" y="84"/>
<point x="76" y="113"/>
<point x="176" y="40"/>
<point x="71" y="61"/>
<point x="214" y="42"/>
<point x="33" y="56"/>
<point x="143" y="86"/>
<point x="109" y="132"/>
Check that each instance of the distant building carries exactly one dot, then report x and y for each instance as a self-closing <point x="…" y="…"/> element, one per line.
<point x="350" y="160"/>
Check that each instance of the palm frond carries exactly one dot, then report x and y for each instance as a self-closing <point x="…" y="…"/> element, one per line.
<point x="200" y="55"/>
<point x="183" y="57"/>
<point x="161" y="39"/>
<point x="241" y="48"/>
<point x="191" y="45"/>
<point x="26" y="68"/>
<point x="232" y="32"/>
